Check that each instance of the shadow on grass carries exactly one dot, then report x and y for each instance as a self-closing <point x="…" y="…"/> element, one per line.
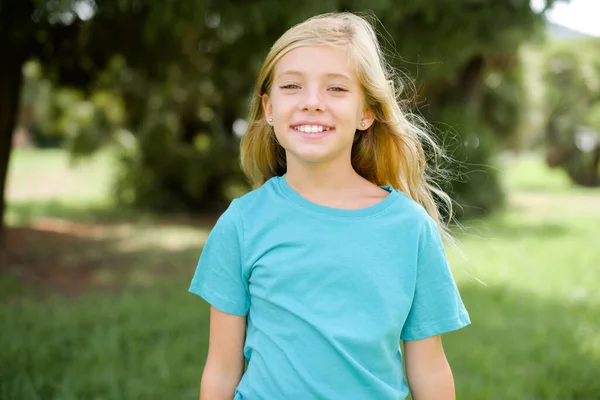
<point x="537" y="230"/>
<point x="139" y="343"/>
<point x="23" y="212"/>
<point x="521" y="346"/>
<point x="89" y="315"/>
<point x="497" y="227"/>
<point x="567" y="188"/>
<point x="58" y="256"/>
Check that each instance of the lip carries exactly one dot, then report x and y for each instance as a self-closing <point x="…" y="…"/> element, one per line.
<point x="310" y="123"/>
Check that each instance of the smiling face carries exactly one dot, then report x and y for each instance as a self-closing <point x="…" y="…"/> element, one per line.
<point x="316" y="105"/>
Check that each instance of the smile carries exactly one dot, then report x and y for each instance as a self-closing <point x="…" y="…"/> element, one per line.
<point x="312" y="128"/>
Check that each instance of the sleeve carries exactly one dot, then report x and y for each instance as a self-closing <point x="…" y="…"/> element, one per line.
<point x="437" y="306"/>
<point x="219" y="278"/>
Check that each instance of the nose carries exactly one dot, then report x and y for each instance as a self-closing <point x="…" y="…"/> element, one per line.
<point x="312" y="100"/>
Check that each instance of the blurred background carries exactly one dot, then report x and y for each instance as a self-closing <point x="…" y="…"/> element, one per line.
<point x="120" y="123"/>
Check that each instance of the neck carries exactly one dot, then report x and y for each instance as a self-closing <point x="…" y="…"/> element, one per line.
<point x="314" y="178"/>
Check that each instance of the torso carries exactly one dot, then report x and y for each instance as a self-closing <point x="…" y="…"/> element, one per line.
<point x="330" y="291"/>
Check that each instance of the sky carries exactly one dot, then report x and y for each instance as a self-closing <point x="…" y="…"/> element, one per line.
<point x="580" y="15"/>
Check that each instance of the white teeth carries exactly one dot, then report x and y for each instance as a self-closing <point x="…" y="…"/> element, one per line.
<point x="311" y="128"/>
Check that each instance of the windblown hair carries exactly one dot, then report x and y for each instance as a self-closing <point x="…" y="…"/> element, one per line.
<point x="390" y="152"/>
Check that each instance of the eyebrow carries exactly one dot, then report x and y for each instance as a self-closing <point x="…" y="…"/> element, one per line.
<point x="329" y="74"/>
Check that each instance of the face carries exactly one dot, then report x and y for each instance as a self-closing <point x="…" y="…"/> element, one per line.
<point x="316" y="105"/>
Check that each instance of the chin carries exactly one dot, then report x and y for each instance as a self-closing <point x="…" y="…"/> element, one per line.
<point x="312" y="157"/>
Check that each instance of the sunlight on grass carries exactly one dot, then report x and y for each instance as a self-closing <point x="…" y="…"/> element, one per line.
<point x="50" y="175"/>
<point x="527" y="171"/>
<point x="168" y="238"/>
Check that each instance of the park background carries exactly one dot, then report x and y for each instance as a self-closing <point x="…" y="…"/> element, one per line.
<point x="120" y="123"/>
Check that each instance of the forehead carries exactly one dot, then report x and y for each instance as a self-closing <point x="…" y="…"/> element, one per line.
<point x="316" y="61"/>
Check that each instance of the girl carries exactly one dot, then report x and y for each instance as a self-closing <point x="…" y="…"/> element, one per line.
<point x="316" y="276"/>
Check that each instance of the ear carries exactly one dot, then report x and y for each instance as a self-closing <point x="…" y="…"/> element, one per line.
<point x="267" y="107"/>
<point x="366" y="120"/>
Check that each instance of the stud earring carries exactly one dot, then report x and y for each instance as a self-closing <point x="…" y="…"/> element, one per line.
<point x="362" y="124"/>
<point x="270" y="120"/>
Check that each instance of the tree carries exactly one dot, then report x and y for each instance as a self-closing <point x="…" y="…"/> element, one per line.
<point x="76" y="42"/>
<point x="572" y="131"/>
<point x="183" y="71"/>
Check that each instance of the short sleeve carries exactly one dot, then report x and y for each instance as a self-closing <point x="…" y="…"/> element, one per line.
<point x="219" y="277"/>
<point x="437" y="306"/>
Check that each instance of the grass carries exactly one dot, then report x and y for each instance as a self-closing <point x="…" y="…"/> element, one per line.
<point x="40" y="175"/>
<point x="138" y="344"/>
<point x="96" y="306"/>
<point x="536" y="325"/>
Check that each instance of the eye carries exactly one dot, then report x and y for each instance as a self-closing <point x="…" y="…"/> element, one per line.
<point x="290" y="86"/>
<point x="337" y="89"/>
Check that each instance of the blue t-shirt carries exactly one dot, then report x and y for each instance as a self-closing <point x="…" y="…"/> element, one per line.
<point x="328" y="293"/>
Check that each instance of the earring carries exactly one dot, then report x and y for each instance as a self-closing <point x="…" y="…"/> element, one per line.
<point x="270" y="120"/>
<point x="362" y="124"/>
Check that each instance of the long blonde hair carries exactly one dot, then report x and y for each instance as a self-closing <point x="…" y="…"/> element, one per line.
<point x="390" y="152"/>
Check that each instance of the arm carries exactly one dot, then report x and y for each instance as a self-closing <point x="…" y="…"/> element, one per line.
<point x="427" y="369"/>
<point x="225" y="361"/>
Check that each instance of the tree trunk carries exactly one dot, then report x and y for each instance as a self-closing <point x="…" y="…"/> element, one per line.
<point x="11" y="79"/>
<point x="16" y="39"/>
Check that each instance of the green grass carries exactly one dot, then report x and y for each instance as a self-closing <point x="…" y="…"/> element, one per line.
<point x="139" y="344"/>
<point x="536" y="325"/>
<point x="535" y="331"/>
<point x="135" y="332"/>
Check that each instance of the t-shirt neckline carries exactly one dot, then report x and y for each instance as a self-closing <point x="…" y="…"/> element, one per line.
<point x="290" y="193"/>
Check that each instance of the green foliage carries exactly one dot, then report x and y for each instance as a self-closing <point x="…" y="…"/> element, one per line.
<point x="572" y="74"/>
<point x="176" y="76"/>
<point x="65" y="115"/>
<point x="475" y="184"/>
<point x="504" y="105"/>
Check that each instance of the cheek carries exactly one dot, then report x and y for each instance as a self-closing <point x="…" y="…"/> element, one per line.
<point x="282" y="104"/>
<point x="346" y="109"/>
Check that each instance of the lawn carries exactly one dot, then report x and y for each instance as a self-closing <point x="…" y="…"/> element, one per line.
<point x="95" y="305"/>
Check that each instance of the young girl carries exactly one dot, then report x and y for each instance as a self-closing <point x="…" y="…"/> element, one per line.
<point x="316" y="276"/>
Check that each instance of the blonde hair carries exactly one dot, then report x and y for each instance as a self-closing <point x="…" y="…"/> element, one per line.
<point x="390" y="152"/>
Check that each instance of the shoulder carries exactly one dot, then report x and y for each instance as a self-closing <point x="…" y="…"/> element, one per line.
<point x="256" y="202"/>
<point x="245" y="211"/>
<point x="412" y="214"/>
<point x="254" y="197"/>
